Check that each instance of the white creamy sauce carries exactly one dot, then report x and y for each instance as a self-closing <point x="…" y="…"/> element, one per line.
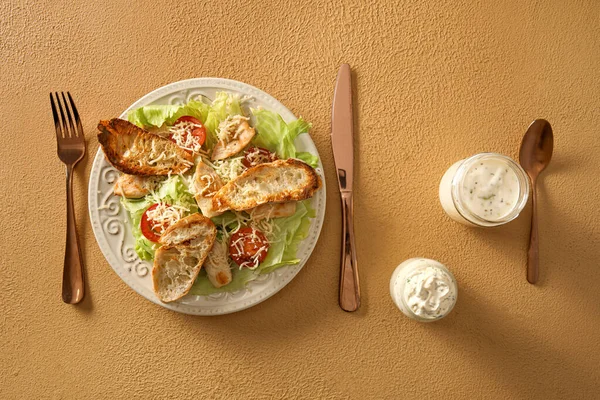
<point x="423" y="289"/>
<point x="490" y="189"/>
<point x="429" y="292"/>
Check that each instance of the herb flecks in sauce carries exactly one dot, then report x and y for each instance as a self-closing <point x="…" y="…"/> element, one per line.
<point x="491" y="191"/>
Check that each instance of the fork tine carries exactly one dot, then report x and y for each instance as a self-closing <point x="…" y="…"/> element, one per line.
<point x="59" y="133"/>
<point x="73" y="132"/>
<point x="63" y="119"/>
<point x="76" y="114"/>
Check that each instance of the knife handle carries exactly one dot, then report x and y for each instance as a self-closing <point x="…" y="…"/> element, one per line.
<point x="349" y="285"/>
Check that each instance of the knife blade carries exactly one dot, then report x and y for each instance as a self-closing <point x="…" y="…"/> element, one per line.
<point x="342" y="141"/>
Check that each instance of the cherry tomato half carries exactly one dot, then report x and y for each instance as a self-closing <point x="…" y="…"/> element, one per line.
<point x="146" y="225"/>
<point x="257" y="155"/>
<point x="198" y="132"/>
<point x="247" y="246"/>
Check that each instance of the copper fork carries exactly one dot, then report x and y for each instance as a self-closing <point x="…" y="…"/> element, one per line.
<point x="71" y="149"/>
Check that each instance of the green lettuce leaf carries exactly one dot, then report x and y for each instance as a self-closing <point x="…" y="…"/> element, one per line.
<point x="224" y="220"/>
<point x="291" y="231"/>
<point x="158" y="115"/>
<point x="295" y="128"/>
<point x="271" y="129"/>
<point x="240" y="278"/>
<point x="308" y="158"/>
<point x="136" y="207"/>
<point x="274" y="134"/>
<point x="172" y="191"/>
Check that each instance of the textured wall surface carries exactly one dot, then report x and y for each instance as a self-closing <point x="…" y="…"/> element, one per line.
<point x="435" y="82"/>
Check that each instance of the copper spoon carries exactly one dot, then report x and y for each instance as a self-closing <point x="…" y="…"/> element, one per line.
<point x="534" y="156"/>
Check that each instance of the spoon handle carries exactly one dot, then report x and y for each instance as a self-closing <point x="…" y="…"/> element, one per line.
<point x="533" y="253"/>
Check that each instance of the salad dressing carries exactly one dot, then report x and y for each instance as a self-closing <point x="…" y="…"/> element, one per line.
<point x="487" y="189"/>
<point x="490" y="189"/>
<point x="423" y="289"/>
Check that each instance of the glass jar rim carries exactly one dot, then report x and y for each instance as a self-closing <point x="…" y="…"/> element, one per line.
<point x="464" y="210"/>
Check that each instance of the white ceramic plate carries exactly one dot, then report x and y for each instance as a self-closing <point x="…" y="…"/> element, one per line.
<point x="113" y="231"/>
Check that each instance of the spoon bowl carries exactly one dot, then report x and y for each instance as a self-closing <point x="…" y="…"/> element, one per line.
<point x="536" y="148"/>
<point x="535" y="154"/>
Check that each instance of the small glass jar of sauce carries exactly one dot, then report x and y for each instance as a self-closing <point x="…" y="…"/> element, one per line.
<point x="487" y="189"/>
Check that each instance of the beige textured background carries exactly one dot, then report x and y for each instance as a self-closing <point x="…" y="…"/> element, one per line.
<point x="435" y="82"/>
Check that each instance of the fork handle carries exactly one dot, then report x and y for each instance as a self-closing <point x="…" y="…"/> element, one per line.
<point x="349" y="285"/>
<point x="72" y="285"/>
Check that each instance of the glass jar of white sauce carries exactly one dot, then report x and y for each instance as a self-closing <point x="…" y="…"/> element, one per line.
<point x="487" y="189"/>
<point x="423" y="289"/>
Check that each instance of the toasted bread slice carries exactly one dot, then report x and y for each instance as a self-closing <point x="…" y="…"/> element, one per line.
<point x="186" y="245"/>
<point x="278" y="181"/>
<point x="238" y="134"/>
<point x="189" y="231"/>
<point x="134" y="151"/>
<point x="175" y="270"/>
<point x="135" y="186"/>
<point x="217" y="267"/>
<point x="273" y="210"/>
<point x="206" y="183"/>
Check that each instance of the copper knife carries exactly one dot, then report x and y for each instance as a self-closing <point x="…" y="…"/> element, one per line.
<point x="342" y="137"/>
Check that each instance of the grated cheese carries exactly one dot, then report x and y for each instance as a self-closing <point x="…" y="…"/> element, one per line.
<point x="251" y="264"/>
<point x="188" y="181"/>
<point x="161" y="156"/>
<point x="181" y="134"/>
<point x="229" y="128"/>
<point x="164" y="215"/>
<point x="256" y="156"/>
<point x="227" y="169"/>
